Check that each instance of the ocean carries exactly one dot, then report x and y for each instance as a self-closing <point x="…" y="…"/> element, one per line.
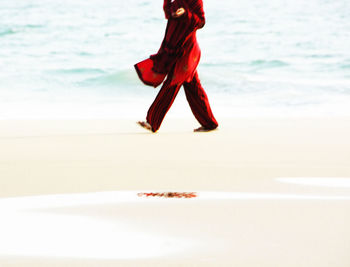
<point x="73" y="59"/>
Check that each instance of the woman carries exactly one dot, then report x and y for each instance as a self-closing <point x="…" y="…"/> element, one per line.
<point x="177" y="61"/>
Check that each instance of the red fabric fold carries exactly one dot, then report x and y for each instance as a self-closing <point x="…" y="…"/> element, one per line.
<point x="147" y="75"/>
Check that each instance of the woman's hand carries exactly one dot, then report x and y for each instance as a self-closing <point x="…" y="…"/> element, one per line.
<point x="178" y="13"/>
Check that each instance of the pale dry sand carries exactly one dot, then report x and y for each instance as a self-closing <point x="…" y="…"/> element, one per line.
<point x="261" y="222"/>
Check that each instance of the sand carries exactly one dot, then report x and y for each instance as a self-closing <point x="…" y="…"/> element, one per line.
<point x="271" y="192"/>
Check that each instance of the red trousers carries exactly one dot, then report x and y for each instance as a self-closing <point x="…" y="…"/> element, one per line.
<point x="196" y="97"/>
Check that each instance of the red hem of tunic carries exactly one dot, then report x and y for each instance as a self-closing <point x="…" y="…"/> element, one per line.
<point x="141" y="78"/>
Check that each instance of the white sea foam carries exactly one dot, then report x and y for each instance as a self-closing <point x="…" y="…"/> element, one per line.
<point x="84" y="225"/>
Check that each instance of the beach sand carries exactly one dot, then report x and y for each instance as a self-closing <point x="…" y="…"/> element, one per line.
<point x="271" y="192"/>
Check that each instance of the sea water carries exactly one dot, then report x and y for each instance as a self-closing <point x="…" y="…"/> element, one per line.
<point x="74" y="58"/>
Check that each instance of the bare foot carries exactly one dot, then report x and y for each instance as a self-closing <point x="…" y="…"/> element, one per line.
<point x="145" y="125"/>
<point x="203" y="129"/>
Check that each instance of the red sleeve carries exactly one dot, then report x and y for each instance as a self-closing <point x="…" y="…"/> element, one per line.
<point x="195" y="13"/>
<point x="166" y="7"/>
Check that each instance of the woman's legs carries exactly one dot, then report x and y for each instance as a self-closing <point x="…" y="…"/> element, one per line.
<point x="196" y="97"/>
<point x="162" y="104"/>
<point x="199" y="103"/>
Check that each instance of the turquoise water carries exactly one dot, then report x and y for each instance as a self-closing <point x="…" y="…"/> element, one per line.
<point x="74" y="59"/>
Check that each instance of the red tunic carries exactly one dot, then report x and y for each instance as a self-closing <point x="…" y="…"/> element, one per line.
<point x="179" y="52"/>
